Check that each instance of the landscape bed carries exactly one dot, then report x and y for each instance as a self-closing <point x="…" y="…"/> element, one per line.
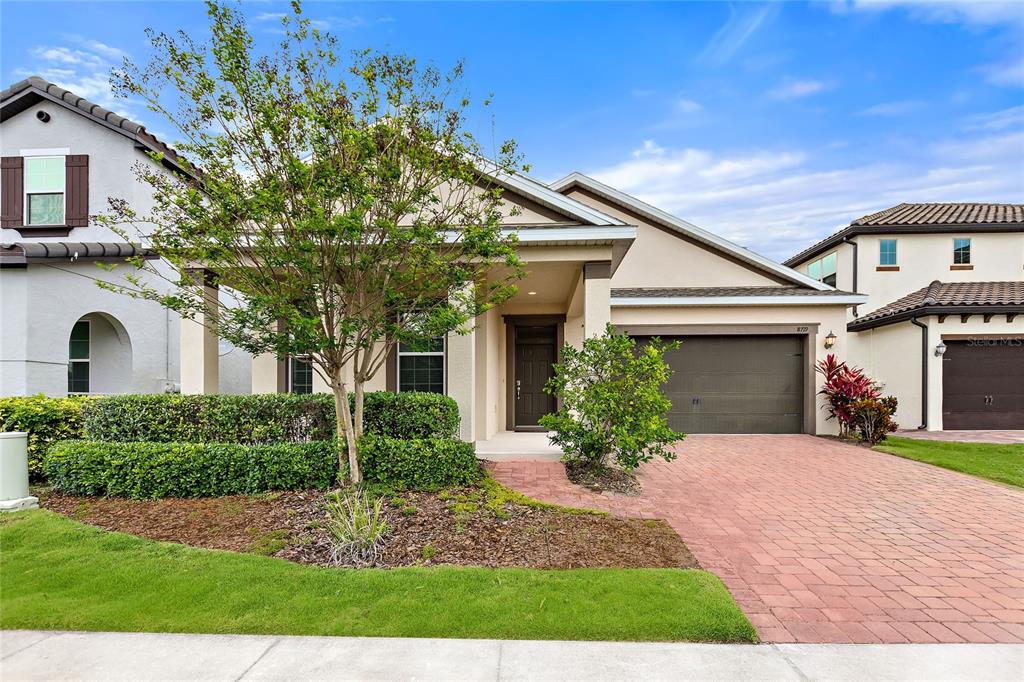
<point x="486" y="525"/>
<point x="62" y="574"/>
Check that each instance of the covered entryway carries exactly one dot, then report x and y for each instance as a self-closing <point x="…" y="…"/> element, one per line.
<point x="983" y="384"/>
<point x="737" y="384"/>
<point x="536" y="349"/>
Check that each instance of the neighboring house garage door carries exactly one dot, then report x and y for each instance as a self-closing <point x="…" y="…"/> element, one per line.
<point x="983" y="385"/>
<point x="736" y="384"/>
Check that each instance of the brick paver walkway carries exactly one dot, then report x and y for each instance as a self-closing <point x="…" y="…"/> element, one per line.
<point x="820" y="541"/>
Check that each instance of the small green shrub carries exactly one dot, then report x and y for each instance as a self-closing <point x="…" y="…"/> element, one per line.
<point x="46" y="420"/>
<point x="423" y="463"/>
<point x="155" y="470"/>
<point x="244" y="419"/>
<point x="264" y="418"/>
<point x="410" y="415"/>
<point x="357" y="526"/>
<point x="871" y="418"/>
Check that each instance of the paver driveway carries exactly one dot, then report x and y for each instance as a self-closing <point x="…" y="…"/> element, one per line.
<point x="825" y="542"/>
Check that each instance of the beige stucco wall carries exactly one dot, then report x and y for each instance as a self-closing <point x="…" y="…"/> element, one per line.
<point x="660" y="258"/>
<point x="827" y="318"/>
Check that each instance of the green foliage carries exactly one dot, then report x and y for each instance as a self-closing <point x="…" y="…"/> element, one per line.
<point x="1003" y="462"/>
<point x="214" y="418"/>
<point x="420" y="463"/>
<point x="341" y="195"/>
<point x="265" y="418"/>
<point x="46" y="420"/>
<point x="871" y="418"/>
<point x="410" y="415"/>
<point x="613" y="408"/>
<point x="155" y="470"/>
<point x="357" y="526"/>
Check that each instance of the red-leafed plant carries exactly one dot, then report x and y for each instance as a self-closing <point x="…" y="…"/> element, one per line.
<point x="844" y="386"/>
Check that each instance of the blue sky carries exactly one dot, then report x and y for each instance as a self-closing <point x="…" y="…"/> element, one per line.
<point x="771" y="124"/>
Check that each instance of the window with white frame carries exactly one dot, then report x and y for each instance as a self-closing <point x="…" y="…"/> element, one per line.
<point x="887" y="252"/>
<point x="44" y="190"/>
<point x="961" y="251"/>
<point x="78" y="358"/>
<point x="421" y="365"/>
<point x="300" y="375"/>
<point x="824" y="269"/>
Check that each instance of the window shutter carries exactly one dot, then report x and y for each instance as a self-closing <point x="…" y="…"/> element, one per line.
<point x="77" y="188"/>
<point x="12" y="191"/>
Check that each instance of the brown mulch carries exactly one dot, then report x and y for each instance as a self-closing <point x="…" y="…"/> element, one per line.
<point x="455" y="527"/>
<point x="604" y="480"/>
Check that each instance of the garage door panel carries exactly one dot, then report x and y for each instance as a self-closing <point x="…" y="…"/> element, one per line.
<point x="736" y="384"/>
<point x="983" y="385"/>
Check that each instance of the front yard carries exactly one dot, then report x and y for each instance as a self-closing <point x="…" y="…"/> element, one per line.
<point x="996" y="462"/>
<point x="61" y="574"/>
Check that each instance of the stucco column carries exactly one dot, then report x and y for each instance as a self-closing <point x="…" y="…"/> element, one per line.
<point x="200" y="360"/>
<point x="934" y="365"/>
<point x="597" y="311"/>
<point x="269" y="374"/>
<point x="461" y="371"/>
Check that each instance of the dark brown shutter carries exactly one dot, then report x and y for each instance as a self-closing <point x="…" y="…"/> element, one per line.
<point x="77" y="187"/>
<point x="12" y="191"/>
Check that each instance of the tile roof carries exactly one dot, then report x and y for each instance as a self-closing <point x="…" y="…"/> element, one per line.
<point x="924" y="218"/>
<point x="19" y="96"/>
<point x="19" y="254"/>
<point x="952" y="298"/>
<point x="945" y="214"/>
<point x="703" y="292"/>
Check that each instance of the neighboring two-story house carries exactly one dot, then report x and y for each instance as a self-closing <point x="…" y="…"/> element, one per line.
<point x="942" y="327"/>
<point x="60" y="332"/>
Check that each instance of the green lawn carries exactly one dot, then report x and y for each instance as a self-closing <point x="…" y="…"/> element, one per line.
<point x="1003" y="463"/>
<point x="61" y="574"/>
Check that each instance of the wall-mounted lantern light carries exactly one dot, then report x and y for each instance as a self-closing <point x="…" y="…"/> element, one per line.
<point x="940" y="349"/>
<point x="830" y="340"/>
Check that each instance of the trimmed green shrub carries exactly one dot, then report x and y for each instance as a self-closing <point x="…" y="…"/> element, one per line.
<point x="423" y="463"/>
<point x="265" y="418"/>
<point x="410" y="415"/>
<point x="154" y="470"/>
<point x="46" y="420"/>
<point x="245" y="419"/>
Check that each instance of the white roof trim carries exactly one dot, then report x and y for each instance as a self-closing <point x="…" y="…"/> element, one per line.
<point x="546" y="196"/>
<point x="565" y="234"/>
<point x="652" y="301"/>
<point x="686" y="227"/>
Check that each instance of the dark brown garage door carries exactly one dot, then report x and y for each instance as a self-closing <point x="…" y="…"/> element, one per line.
<point x="737" y="384"/>
<point x="983" y="385"/>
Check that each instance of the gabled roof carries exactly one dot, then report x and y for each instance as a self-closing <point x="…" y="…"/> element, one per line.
<point x="686" y="229"/>
<point x="948" y="298"/>
<point x="923" y="219"/>
<point x="34" y="89"/>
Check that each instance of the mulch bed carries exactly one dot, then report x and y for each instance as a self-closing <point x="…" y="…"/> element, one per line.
<point x="455" y="527"/>
<point x="603" y="480"/>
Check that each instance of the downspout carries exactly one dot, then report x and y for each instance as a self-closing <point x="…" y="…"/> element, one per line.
<point x="847" y="240"/>
<point x="924" y="373"/>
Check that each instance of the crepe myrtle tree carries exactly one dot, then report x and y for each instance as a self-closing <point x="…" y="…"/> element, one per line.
<point x="342" y="198"/>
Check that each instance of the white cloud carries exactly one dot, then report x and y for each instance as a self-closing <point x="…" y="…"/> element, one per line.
<point x="741" y="25"/>
<point x="81" y="65"/>
<point x="1009" y="73"/>
<point x="997" y="120"/>
<point x="897" y="108"/>
<point x="688" y="106"/>
<point x="976" y="12"/>
<point x="794" y="89"/>
<point x="777" y="202"/>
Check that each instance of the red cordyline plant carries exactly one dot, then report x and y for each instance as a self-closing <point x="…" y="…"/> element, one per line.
<point x="844" y="387"/>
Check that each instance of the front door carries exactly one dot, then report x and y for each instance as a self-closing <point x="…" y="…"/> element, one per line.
<point x="535" y="356"/>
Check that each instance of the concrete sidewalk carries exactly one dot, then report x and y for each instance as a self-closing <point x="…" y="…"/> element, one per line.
<point x="108" y="656"/>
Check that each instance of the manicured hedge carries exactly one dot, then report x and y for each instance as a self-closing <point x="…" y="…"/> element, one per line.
<point x="46" y="420"/>
<point x="266" y="418"/>
<point x="410" y="415"/>
<point x="155" y="470"/>
<point x="422" y="463"/>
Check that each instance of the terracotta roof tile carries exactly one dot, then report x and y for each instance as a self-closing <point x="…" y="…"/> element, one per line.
<point x="945" y="214"/>
<point x="945" y="295"/>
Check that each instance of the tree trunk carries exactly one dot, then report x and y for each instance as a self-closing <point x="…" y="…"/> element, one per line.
<point x="357" y="422"/>
<point x="346" y="429"/>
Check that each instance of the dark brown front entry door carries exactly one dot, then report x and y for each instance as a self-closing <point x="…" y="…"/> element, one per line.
<point x="983" y="384"/>
<point x="534" y="357"/>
